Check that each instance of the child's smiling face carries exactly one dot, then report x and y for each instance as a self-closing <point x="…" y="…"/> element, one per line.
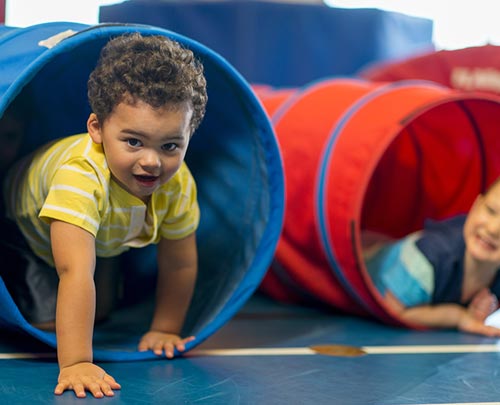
<point x="482" y="228"/>
<point x="144" y="146"/>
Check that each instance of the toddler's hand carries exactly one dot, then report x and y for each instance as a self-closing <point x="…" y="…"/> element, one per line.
<point x="483" y="304"/>
<point x="160" y="342"/>
<point x="86" y="376"/>
<point x="469" y="323"/>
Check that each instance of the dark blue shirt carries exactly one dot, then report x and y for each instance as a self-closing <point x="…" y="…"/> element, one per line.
<point x="443" y="244"/>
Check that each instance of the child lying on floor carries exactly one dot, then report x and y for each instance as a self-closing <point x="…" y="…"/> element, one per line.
<point x="446" y="275"/>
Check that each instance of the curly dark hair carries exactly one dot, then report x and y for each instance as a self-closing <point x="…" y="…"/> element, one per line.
<point x="154" y="69"/>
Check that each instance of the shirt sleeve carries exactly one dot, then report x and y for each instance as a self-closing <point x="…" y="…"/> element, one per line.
<point x="404" y="270"/>
<point x="183" y="214"/>
<point x="74" y="197"/>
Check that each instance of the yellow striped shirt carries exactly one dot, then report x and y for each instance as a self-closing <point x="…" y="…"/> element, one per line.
<point x="69" y="180"/>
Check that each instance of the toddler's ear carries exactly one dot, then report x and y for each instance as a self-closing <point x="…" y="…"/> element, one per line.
<point x="94" y="128"/>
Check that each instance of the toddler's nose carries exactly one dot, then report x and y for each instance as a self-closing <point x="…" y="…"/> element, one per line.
<point x="150" y="159"/>
<point x="494" y="227"/>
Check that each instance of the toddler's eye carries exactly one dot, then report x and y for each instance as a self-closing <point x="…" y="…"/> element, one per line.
<point x="134" y="142"/>
<point x="490" y="209"/>
<point x="169" y="147"/>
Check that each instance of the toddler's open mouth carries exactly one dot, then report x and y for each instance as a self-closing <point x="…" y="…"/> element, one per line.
<point x="487" y="243"/>
<point x="146" y="180"/>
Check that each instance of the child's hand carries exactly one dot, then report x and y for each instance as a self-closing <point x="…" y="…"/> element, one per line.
<point x="86" y="376"/>
<point x="159" y="342"/>
<point x="471" y="324"/>
<point x="483" y="304"/>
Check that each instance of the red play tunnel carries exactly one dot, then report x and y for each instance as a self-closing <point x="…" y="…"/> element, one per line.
<point x="373" y="156"/>
<point x="475" y="68"/>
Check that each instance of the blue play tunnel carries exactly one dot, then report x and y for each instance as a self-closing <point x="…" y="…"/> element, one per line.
<point x="233" y="156"/>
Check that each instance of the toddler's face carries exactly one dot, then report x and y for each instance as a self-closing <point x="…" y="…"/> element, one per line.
<point x="144" y="146"/>
<point x="482" y="228"/>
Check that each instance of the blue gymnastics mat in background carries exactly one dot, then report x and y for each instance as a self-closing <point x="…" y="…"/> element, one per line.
<point x="233" y="156"/>
<point x="285" y="43"/>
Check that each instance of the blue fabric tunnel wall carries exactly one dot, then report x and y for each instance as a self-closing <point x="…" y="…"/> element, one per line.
<point x="234" y="158"/>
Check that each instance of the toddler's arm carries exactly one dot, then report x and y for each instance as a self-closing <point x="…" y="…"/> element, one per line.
<point x="177" y="269"/>
<point x="443" y="316"/>
<point x="74" y="254"/>
<point x="483" y="304"/>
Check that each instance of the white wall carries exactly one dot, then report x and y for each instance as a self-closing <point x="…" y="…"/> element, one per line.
<point x="457" y="23"/>
<point x="23" y="13"/>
